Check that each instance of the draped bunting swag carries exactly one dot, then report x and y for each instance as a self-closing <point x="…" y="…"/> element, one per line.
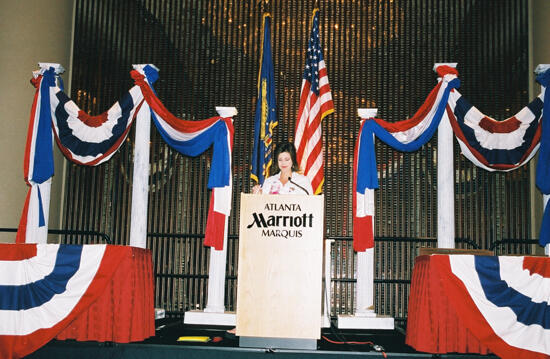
<point x="37" y="167"/>
<point x="92" y="140"/>
<point x="191" y="138"/>
<point x="489" y="144"/>
<point x="408" y="135"/>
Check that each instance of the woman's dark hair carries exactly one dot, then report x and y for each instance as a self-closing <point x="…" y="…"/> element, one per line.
<point x="285" y="147"/>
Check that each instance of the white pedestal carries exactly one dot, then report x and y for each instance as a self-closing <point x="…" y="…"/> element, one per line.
<point x="369" y="321"/>
<point x="200" y="317"/>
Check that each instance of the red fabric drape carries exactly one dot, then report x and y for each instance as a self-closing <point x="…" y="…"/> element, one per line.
<point x="423" y="111"/>
<point x="420" y="114"/>
<point x="215" y="227"/>
<point x="433" y="325"/>
<point x="154" y="102"/>
<point x="125" y="311"/>
<point x="12" y="252"/>
<point x="22" y="228"/>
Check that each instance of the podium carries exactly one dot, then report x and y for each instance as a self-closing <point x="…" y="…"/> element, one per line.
<point x="280" y="271"/>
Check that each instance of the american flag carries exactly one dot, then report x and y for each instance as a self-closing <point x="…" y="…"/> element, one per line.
<point x="315" y="104"/>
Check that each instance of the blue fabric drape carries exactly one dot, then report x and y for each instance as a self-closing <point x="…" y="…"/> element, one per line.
<point x="215" y="136"/>
<point x="43" y="150"/>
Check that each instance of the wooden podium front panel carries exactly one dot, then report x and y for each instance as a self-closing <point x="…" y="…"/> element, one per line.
<point x="280" y="266"/>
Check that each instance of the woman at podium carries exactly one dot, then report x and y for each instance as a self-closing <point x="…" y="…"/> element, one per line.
<point x="287" y="180"/>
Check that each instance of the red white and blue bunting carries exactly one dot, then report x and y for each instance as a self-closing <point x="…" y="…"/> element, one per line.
<point x="91" y="140"/>
<point x="38" y="165"/>
<point x="503" y="300"/>
<point x="408" y="135"/>
<point x="496" y="145"/>
<point x="191" y="138"/>
<point x="48" y="288"/>
<point x="489" y="144"/>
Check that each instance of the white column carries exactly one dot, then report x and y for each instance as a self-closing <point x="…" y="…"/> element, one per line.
<point x="216" y="278"/>
<point x="365" y="283"/>
<point x="216" y="271"/>
<point x="365" y="316"/>
<point x="140" y="181"/>
<point x="365" y="260"/>
<point x="214" y="313"/>
<point x="445" y="181"/>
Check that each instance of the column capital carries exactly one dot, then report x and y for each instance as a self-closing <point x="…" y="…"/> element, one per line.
<point x="140" y="67"/>
<point x="367" y="112"/>
<point x="541" y="68"/>
<point x="226" y="111"/>
<point x="45" y="66"/>
<point x="450" y="64"/>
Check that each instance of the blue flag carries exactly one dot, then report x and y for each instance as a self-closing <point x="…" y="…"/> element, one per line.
<point x="266" y="117"/>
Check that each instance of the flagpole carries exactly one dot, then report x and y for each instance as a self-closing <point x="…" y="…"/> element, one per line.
<point x="265" y="118"/>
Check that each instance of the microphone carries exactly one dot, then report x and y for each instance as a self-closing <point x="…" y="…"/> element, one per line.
<point x="296" y="184"/>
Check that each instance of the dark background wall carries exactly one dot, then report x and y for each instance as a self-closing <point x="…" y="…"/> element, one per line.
<point x="378" y="53"/>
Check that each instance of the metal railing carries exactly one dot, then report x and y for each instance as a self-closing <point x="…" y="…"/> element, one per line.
<point x="69" y="232"/>
<point x="181" y="281"/>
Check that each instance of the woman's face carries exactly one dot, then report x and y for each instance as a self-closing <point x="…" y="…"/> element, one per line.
<point x="284" y="161"/>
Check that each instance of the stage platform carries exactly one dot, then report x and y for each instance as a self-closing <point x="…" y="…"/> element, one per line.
<point x="385" y="344"/>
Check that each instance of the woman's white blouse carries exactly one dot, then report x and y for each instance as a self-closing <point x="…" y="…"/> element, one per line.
<point x="273" y="185"/>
